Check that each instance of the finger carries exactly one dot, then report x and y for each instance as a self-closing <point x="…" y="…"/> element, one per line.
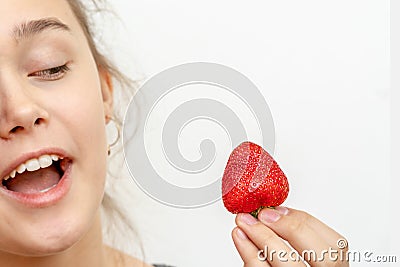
<point x="298" y="219"/>
<point x="247" y="250"/>
<point x="310" y="238"/>
<point x="276" y="252"/>
<point x="327" y="233"/>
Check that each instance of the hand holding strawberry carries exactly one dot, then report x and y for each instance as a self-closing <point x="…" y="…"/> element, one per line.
<point x="252" y="180"/>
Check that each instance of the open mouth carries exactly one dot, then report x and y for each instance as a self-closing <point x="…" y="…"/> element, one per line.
<point x="37" y="175"/>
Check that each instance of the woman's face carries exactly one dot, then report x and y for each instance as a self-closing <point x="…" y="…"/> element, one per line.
<point x="53" y="101"/>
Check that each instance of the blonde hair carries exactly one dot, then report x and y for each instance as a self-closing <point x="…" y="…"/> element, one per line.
<point x="118" y="224"/>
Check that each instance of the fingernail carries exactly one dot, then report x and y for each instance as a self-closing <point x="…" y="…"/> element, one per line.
<point x="282" y="210"/>
<point x="241" y="234"/>
<point x="269" y="215"/>
<point x="248" y="219"/>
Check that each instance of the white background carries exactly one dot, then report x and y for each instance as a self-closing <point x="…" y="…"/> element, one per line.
<point x="324" y="69"/>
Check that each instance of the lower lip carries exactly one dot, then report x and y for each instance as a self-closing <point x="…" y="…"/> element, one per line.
<point x="45" y="199"/>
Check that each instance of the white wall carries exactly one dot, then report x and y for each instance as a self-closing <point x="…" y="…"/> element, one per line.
<point x="324" y="69"/>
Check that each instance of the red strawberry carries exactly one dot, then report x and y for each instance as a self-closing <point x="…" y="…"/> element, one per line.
<point x="252" y="180"/>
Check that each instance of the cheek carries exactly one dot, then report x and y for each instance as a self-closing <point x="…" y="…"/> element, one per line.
<point x="88" y="128"/>
<point x="82" y="120"/>
<point x="81" y="112"/>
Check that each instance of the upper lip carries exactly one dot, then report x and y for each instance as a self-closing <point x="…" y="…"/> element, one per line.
<point x="30" y="155"/>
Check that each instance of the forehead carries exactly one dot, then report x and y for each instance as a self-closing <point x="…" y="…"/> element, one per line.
<point x="19" y="12"/>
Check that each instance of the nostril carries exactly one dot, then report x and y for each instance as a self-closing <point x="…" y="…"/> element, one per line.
<point x="15" y="129"/>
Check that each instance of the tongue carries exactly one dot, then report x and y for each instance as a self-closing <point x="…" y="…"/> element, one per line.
<point x="34" y="182"/>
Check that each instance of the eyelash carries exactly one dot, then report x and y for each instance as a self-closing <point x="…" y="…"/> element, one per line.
<point x="51" y="74"/>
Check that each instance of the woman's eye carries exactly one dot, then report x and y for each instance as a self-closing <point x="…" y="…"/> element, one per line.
<point x="51" y="74"/>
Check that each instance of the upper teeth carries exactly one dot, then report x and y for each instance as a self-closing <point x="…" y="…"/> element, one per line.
<point x="34" y="164"/>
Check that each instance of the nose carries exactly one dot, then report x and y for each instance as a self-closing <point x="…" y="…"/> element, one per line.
<point x="19" y="112"/>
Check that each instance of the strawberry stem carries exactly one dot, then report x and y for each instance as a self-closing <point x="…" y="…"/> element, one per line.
<point x="255" y="212"/>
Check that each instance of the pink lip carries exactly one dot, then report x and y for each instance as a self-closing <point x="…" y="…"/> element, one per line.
<point x="27" y="156"/>
<point x="49" y="198"/>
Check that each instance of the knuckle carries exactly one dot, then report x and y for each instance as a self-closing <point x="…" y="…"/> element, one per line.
<point x="252" y="263"/>
<point x="299" y="222"/>
<point x="331" y="263"/>
<point x="268" y="237"/>
<point x="336" y="264"/>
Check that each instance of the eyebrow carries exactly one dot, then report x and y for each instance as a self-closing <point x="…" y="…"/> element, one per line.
<point x="31" y="28"/>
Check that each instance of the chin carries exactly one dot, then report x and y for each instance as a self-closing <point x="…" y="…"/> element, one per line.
<point x="42" y="248"/>
<point x="51" y="245"/>
<point x="47" y="242"/>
